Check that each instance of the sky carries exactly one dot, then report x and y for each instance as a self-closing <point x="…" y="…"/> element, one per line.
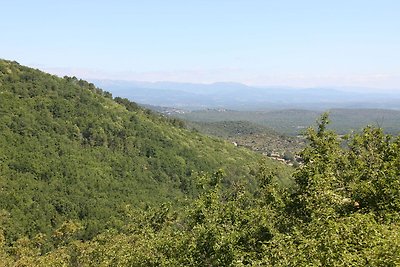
<point x="305" y="43"/>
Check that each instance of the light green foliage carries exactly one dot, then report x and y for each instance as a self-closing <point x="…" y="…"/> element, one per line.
<point x="374" y="176"/>
<point x="320" y="187"/>
<point x="345" y="202"/>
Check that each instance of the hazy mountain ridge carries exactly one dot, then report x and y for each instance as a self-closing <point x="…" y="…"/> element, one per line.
<point x="243" y="97"/>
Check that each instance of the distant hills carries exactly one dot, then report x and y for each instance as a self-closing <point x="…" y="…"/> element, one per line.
<point x="242" y="97"/>
<point x="296" y="121"/>
<point x="285" y="110"/>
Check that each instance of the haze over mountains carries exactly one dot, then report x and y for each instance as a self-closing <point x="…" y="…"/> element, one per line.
<point x="242" y="97"/>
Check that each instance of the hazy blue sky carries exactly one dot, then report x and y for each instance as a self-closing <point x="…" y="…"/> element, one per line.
<point x="281" y="42"/>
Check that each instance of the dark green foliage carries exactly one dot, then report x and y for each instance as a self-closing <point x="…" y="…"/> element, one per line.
<point x="68" y="151"/>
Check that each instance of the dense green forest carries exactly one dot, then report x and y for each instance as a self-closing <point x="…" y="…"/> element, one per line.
<point x="87" y="180"/>
<point x="70" y="151"/>
<point x="295" y="121"/>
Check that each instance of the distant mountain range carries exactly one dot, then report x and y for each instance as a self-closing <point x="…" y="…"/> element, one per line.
<point x="242" y="97"/>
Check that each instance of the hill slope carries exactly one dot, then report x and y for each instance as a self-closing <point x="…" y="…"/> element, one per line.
<point x="251" y="135"/>
<point x="243" y="97"/>
<point x="69" y="151"/>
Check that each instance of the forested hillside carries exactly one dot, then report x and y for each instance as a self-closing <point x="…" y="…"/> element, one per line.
<point x="87" y="180"/>
<point x="68" y="151"/>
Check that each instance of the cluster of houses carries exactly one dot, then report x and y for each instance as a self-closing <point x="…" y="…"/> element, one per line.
<point x="292" y="160"/>
<point x="295" y="160"/>
<point x="173" y="111"/>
